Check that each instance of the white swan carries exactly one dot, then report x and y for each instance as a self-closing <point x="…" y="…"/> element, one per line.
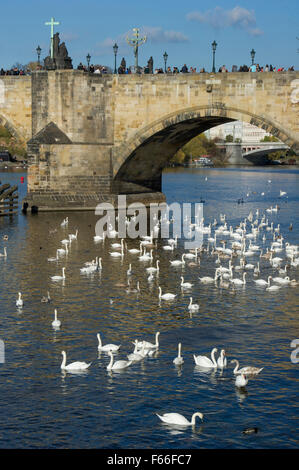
<point x="118" y="245"/>
<point x="241" y="380"/>
<point x="222" y="361"/>
<point x="208" y="279"/>
<point x="56" y="323"/>
<point x="262" y="282"/>
<point x="117" y="254"/>
<point x="63" y="251"/>
<point x="118" y="364"/>
<point x="73" y="236"/>
<point x="134" y="251"/>
<point x="176" y="418"/>
<point x="179" y="360"/>
<point x="106" y="347"/>
<point x="282" y="280"/>
<point x="129" y="271"/>
<point x="178" y="262"/>
<point x="54" y="259"/>
<point x="204" y="361"/>
<point x="185" y="285"/>
<point x="59" y="278"/>
<point x="4" y="254"/>
<point x="239" y="282"/>
<point x="193" y="307"/>
<point x="135" y="355"/>
<point x="74" y="365"/>
<point x="149" y="345"/>
<point x="153" y="269"/>
<point x="168" y="247"/>
<point x="245" y="370"/>
<point x="146" y="256"/>
<point x="19" y="301"/>
<point x="166" y="296"/>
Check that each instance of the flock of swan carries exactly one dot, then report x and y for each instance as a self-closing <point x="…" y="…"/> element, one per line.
<point x="230" y="255"/>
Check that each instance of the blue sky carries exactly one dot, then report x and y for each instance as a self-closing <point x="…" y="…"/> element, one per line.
<point x="185" y="29"/>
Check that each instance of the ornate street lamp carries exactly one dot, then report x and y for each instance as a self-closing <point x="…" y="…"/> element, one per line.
<point x="115" y="49"/>
<point x="38" y="50"/>
<point x="88" y="61"/>
<point x="165" y="56"/>
<point x="214" y="45"/>
<point x="252" y="53"/>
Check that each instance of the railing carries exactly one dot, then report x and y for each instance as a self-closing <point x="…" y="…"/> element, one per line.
<point x="9" y="203"/>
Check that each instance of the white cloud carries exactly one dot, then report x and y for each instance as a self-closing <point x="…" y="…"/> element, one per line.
<point x="218" y="18"/>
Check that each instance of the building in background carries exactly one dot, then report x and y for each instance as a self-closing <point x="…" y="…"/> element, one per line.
<point x="241" y="131"/>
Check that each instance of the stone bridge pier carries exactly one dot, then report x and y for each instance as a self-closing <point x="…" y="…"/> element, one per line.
<point x="94" y="137"/>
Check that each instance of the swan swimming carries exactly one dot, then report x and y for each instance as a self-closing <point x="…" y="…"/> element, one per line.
<point x="185" y="285"/>
<point x="19" y="301"/>
<point x="4" y="254"/>
<point x="245" y="370"/>
<point x="204" y="361"/>
<point x="222" y="360"/>
<point x="149" y="345"/>
<point x="56" y="323"/>
<point x="176" y="418"/>
<point x="179" y="360"/>
<point x="118" y="364"/>
<point x="59" y="278"/>
<point x="106" y="347"/>
<point x="74" y="365"/>
<point x="166" y="296"/>
<point x="193" y="307"/>
<point x="241" y="380"/>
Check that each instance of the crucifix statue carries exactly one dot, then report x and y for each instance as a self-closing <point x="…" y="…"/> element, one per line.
<point x="136" y="41"/>
<point x="52" y="23"/>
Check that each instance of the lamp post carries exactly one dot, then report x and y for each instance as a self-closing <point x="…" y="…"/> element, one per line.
<point x="165" y="56"/>
<point x="115" y="49"/>
<point x="214" y="45"/>
<point x="88" y="61"/>
<point x="252" y="53"/>
<point x="38" y="50"/>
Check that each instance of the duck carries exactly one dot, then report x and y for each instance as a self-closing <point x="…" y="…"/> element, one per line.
<point x="193" y="307"/>
<point x="167" y="296"/>
<point x="56" y="323"/>
<point x="118" y="365"/>
<point x="59" y="278"/>
<point x="222" y="360"/>
<point x="178" y="419"/>
<point x="179" y="360"/>
<point x="74" y="366"/>
<point x="204" y="361"/>
<point x="45" y="299"/>
<point x="19" y="301"/>
<point x="106" y="347"/>
<point x="245" y="370"/>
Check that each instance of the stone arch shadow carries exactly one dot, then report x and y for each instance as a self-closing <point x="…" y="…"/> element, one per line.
<point x="138" y="164"/>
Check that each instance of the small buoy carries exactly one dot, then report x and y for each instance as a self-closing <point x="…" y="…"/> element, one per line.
<point x="22" y="179"/>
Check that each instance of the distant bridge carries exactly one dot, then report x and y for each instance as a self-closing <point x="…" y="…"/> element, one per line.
<point x="256" y="153"/>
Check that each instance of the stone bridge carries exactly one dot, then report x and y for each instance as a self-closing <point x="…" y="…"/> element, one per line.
<point x="92" y="137"/>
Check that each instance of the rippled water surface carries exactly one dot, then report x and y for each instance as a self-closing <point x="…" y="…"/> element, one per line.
<point x="41" y="407"/>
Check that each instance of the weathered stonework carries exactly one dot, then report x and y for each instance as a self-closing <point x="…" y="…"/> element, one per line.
<point x="92" y="137"/>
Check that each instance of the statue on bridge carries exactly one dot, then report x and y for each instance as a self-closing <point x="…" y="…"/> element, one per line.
<point x="60" y="59"/>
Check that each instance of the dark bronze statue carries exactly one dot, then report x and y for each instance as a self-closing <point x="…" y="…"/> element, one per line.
<point x="61" y="59"/>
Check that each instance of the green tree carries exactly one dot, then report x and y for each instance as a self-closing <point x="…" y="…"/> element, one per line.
<point x="229" y="138"/>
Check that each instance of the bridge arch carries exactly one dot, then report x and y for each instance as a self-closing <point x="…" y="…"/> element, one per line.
<point x="138" y="164"/>
<point x="4" y="122"/>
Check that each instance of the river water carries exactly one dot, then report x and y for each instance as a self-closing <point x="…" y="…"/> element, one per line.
<point x="43" y="407"/>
